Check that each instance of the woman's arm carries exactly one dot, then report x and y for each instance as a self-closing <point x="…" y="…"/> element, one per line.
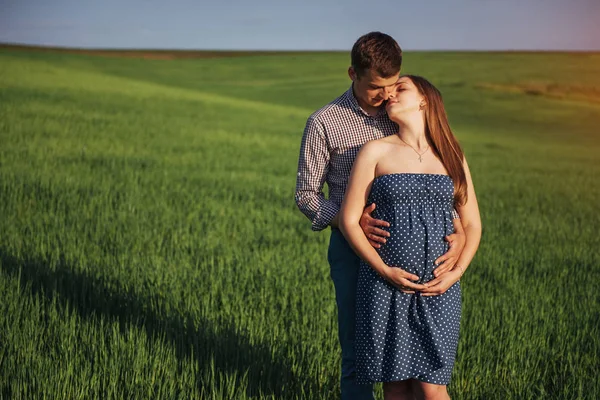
<point x="471" y="221"/>
<point x="357" y="193"/>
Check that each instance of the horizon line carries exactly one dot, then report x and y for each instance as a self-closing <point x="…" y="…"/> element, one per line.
<point x="258" y="50"/>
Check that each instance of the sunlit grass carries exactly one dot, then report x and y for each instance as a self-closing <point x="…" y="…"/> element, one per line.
<point x="150" y="246"/>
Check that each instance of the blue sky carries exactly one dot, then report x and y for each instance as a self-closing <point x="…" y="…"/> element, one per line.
<point x="303" y="25"/>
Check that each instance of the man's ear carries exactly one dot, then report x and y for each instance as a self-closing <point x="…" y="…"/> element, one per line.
<point x="352" y="73"/>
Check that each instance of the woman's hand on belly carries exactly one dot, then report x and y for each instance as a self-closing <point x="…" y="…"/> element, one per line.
<point x="439" y="285"/>
<point x="402" y="280"/>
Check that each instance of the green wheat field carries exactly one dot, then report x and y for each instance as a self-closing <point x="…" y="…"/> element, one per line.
<point x="150" y="246"/>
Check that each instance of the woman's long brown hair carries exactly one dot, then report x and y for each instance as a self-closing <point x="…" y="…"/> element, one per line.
<point x="440" y="137"/>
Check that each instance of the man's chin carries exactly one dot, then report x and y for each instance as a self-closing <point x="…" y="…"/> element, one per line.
<point x="377" y="103"/>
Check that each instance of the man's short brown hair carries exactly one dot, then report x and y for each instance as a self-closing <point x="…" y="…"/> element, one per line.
<point x="378" y="52"/>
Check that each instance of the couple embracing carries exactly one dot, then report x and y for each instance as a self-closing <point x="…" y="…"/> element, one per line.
<point x="404" y="224"/>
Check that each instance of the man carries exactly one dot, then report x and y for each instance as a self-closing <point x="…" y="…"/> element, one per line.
<point x="332" y="137"/>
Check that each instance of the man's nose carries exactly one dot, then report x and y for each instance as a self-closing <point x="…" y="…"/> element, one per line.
<point x="388" y="93"/>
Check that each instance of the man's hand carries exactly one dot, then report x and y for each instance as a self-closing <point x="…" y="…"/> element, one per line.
<point x="402" y="280"/>
<point x="439" y="285"/>
<point x="370" y="226"/>
<point x="448" y="260"/>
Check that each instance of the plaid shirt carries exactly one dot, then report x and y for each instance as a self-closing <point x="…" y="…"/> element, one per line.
<point x="332" y="137"/>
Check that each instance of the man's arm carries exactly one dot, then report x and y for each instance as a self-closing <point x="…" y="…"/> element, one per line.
<point x="313" y="165"/>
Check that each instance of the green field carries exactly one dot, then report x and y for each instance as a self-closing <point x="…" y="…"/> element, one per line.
<point x="150" y="246"/>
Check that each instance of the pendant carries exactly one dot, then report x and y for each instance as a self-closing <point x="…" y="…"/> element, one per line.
<point x="420" y="159"/>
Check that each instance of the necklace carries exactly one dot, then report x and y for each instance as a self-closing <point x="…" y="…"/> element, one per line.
<point x="419" y="154"/>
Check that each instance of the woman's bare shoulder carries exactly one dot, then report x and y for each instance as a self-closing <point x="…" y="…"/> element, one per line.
<point x="374" y="150"/>
<point x="379" y="146"/>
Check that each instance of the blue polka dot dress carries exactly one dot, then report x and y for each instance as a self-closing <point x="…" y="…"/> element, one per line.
<point x="401" y="336"/>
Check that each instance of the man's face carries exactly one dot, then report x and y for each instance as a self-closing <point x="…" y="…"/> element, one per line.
<point x="370" y="89"/>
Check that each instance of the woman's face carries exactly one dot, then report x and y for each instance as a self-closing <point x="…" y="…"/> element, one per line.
<point x="405" y="99"/>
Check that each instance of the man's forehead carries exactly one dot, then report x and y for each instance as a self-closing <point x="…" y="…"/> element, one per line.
<point x="378" y="80"/>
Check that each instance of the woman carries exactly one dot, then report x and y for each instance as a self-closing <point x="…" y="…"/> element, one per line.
<point x="408" y="316"/>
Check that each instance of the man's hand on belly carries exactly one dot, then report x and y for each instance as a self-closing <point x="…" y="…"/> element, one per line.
<point x="370" y="227"/>
<point x="448" y="260"/>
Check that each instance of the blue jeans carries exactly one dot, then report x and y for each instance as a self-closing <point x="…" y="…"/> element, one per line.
<point x="344" y="265"/>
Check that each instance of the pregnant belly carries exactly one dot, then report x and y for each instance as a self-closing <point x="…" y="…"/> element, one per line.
<point x="415" y="249"/>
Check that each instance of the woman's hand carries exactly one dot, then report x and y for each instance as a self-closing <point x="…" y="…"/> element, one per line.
<point x="440" y="284"/>
<point x="402" y="280"/>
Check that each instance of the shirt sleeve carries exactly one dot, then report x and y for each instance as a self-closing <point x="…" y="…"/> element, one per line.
<point x="455" y="214"/>
<point x="313" y="165"/>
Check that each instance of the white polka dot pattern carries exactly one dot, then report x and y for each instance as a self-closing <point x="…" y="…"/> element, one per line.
<point x="401" y="336"/>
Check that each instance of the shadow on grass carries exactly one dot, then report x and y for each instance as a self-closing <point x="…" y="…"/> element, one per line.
<point x="231" y="352"/>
